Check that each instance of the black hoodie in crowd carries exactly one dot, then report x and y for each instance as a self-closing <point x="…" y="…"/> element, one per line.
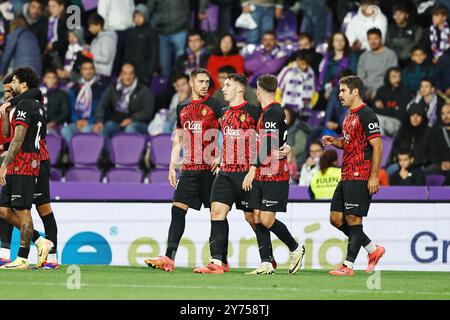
<point x="394" y="100"/>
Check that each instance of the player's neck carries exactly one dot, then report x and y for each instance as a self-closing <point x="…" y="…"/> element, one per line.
<point x="266" y="101"/>
<point x="356" y="104"/>
<point x="237" y="101"/>
<point x="196" y="97"/>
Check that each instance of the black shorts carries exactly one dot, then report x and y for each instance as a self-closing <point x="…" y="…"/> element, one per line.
<point x="18" y="192"/>
<point x="269" y="196"/>
<point x="352" y="198"/>
<point x="227" y="189"/>
<point x="194" y="188"/>
<point x="42" y="190"/>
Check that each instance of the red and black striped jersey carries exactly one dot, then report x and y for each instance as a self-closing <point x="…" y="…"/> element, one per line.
<point x="29" y="114"/>
<point x="199" y="120"/>
<point x="359" y="127"/>
<point x="272" y="134"/>
<point x="238" y="125"/>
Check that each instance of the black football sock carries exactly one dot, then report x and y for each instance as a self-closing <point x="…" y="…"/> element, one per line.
<point x="6" y="230"/>
<point x="282" y="232"/>
<point x="345" y="229"/>
<point x="51" y="230"/>
<point x="263" y="239"/>
<point x="217" y="239"/>
<point x="225" y="244"/>
<point x="355" y="239"/>
<point x="176" y="230"/>
<point x="36" y="236"/>
<point x="23" y="252"/>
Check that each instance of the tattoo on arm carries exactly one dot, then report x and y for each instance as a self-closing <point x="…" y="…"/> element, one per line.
<point x="19" y="136"/>
<point x="26" y="233"/>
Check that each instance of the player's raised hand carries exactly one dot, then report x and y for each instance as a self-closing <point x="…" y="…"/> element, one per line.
<point x="215" y="165"/>
<point x="3" y="175"/>
<point x="283" y="152"/>
<point x="373" y="185"/>
<point x="327" y="140"/>
<point x="248" y="180"/>
<point x="4" y="108"/>
<point x="173" y="177"/>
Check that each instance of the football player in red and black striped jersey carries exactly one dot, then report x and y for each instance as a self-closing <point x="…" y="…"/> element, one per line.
<point x="362" y="147"/>
<point x="20" y="168"/>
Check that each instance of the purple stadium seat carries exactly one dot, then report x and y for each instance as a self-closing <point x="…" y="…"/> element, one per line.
<point x="83" y="175"/>
<point x="127" y="148"/>
<point x="54" y="145"/>
<point x="387" y="147"/>
<point x="299" y="193"/>
<point x="160" y="149"/>
<point x="132" y="175"/>
<point x="55" y="175"/>
<point x="287" y="27"/>
<point x="435" y="180"/>
<point x="212" y="19"/>
<point x="159" y="176"/>
<point x="159" y="85"/>
<point x="85" y="148"/>
<point x="339" y="152"/>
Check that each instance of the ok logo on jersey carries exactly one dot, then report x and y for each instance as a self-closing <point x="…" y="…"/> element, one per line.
<point x="21" y="115"/>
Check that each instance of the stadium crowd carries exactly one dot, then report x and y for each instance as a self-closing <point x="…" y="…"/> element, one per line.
<point x="125" y="69"/>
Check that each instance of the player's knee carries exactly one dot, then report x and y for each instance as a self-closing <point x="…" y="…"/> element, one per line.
<point x="44" y="209"/>
<point x="336" y="220"/>
<point x="353" y="220"/>
<point x="267" y="220"/>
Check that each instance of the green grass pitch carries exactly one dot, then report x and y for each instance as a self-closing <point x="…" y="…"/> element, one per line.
<point x="106" y="282"/>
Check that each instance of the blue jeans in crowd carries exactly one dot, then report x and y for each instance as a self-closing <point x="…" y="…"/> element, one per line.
<point x="264" y="18"/>
<point x="315" y="19"/>
<point x="67" y="132"/>
<point x="170" y="48"/>
<point x="111" y="128"/>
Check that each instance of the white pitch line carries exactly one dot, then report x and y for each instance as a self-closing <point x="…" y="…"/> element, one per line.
<point x="144" y="286"/>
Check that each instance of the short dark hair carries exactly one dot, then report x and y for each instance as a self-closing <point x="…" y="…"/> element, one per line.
<point x="271" y="33"/>
<point x="404" y="151"/>
<point x="374" y="31"/>
<point x="192" y="33"/>
<point x="180" y="76"/>
<point x="268" y="83"/>
<point x="8" y="79"/>
<point x="303" y="55"/>
<point x="439" y="9"/>
<point x="49" y="70"/>
<point x="429" y="80"/>
<point x="227" y="69"/>
<point x="198" y="71"/>
<point x="96" y="20"/>
<point x="345" y="73"/>
<point x="353" y="82"/>
<point x="27" y="75"/>
<point x="418" y="47"/>
<point x="306" y="35"/>
<point x="400" y="7"/>
<point x="238" y="78"/>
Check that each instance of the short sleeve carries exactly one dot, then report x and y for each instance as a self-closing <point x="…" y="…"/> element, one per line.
<point x="271" y="121"/>
<point x="24" y="114"/>
<point x="370" y="123"/>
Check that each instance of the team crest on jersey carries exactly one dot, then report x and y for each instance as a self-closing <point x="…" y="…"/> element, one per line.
<point x="34" y="164"/>
<point x="243" y="118"/>
<point x="204" y="112"/>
